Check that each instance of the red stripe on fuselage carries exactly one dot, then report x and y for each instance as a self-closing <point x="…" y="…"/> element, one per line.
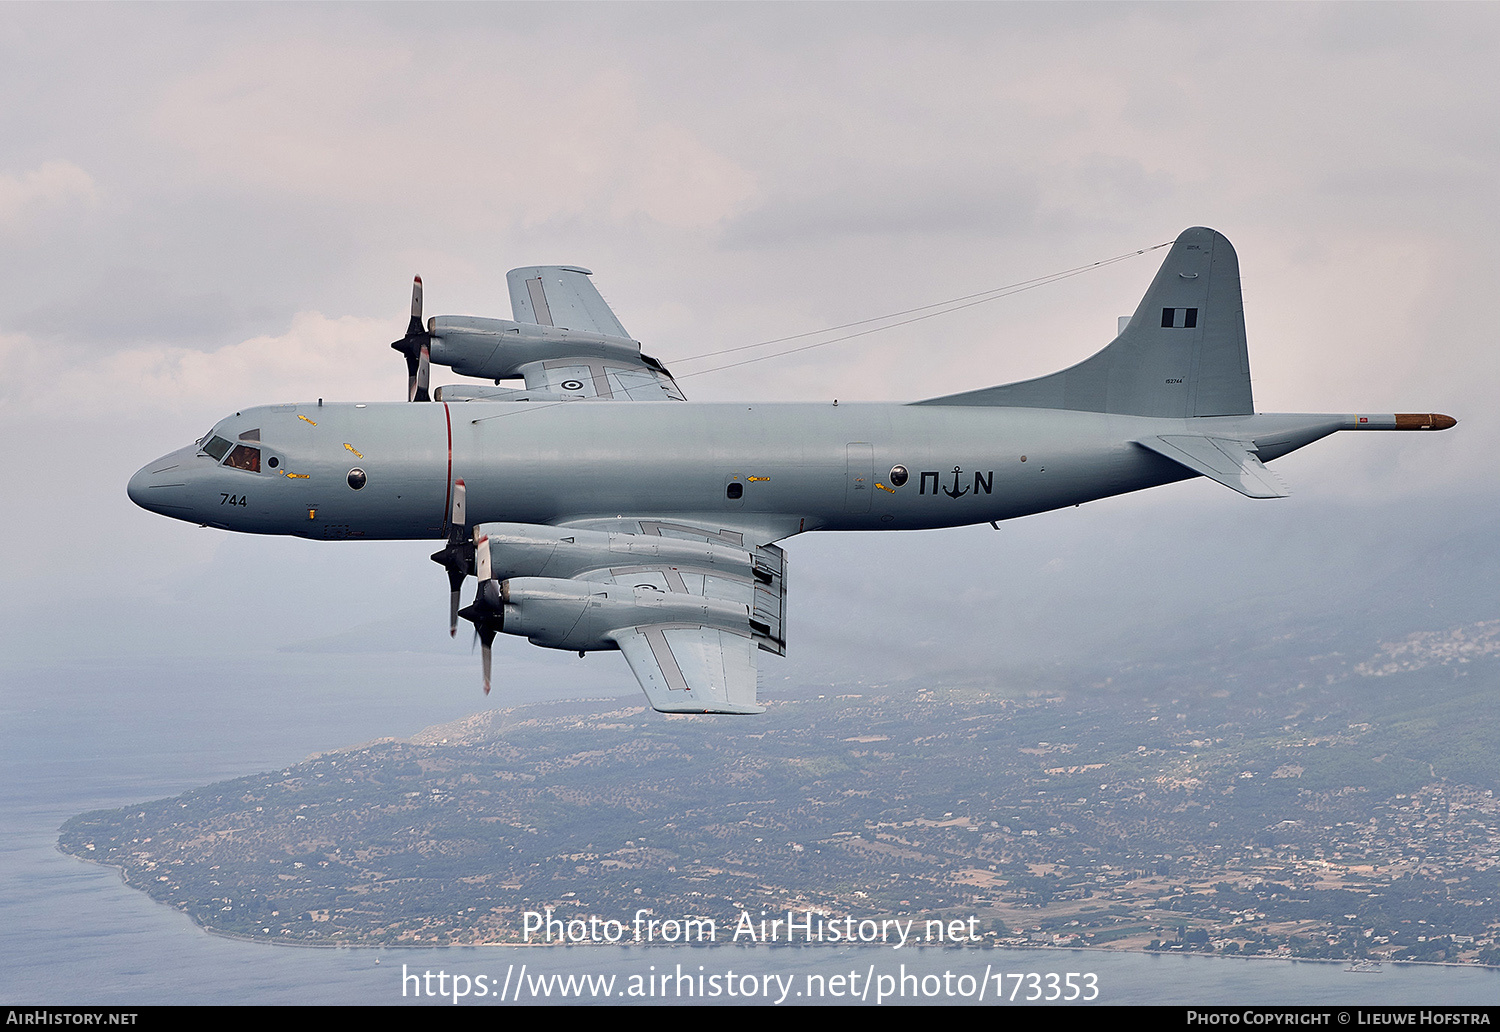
<point x="448" y="490"/>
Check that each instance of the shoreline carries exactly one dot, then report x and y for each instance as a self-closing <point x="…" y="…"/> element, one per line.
<point x="269" y="941"/>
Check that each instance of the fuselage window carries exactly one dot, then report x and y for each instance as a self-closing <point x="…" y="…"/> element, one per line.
<point x="735" y="490"/>
<point x="216" y="447"/>
<point x="244" y="457"/>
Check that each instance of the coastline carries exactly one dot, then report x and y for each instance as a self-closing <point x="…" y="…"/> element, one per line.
<point x="950" y="948"/>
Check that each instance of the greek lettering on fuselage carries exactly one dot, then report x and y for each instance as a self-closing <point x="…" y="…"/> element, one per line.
<point x="982" y="482"/>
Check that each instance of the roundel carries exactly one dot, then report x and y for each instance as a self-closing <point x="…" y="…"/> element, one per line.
<point x="572" y="385"/>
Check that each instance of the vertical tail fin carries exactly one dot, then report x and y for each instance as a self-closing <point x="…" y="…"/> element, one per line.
<point x="1182" y="354"/>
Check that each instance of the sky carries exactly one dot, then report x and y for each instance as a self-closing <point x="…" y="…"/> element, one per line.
<point x="205" y="207"/>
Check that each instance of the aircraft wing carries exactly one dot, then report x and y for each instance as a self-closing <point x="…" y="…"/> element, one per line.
<point x="563" y="296"/>
<point x="560" y="295"/>
<point x="612" y="379"/>
<point x="707" y="665"/>
<point x="692" y="669"/>
<point x="690" y="607"/>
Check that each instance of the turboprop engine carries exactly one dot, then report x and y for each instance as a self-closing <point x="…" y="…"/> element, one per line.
<point x="498" y="349"/>
<point x="573" y="589"/>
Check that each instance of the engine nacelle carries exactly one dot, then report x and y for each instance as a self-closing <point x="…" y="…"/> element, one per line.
<point x="582" y="569"/>
<point x="528" y="550"/>
<point x="496" y="349"/>
<point x="582" y="615"/>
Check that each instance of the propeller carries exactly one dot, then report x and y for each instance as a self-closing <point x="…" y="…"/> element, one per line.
<point x="457" y="557"/>
<point x="417" y="347"/>
<point x="487" y="612"/>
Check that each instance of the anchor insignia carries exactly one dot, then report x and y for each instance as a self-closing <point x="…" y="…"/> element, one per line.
<point x="954" y="492"/>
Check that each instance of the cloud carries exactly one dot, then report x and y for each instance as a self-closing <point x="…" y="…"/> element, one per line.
<point x="342" y="358"/>
<point x="51" y="185"/>
<point x="345" y="358"/>
<point x="373" y="122"/>
<point x="130" y="305"/>
<point x="890" y="201"/>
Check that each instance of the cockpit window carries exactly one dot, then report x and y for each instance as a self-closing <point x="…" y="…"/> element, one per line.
<point x="251" y="435"/>
<point x="244" y="457"/>
<point x="216" y="447"/>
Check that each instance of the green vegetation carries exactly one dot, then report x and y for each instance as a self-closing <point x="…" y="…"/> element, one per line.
<point x="1183" y="806"/>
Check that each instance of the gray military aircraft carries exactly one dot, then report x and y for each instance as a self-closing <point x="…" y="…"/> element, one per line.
<point x="598" y="509"/>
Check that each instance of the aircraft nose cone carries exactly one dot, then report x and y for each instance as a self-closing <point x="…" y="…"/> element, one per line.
<point x="162" y="486"/>
<point x="136" y="489"/>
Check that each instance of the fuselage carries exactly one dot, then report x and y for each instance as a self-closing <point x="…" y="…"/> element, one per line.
<point x="385" y="471"/>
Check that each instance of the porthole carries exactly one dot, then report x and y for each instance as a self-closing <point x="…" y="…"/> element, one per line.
<point x="273" y="462"/>
<point x="898" y="475"/>
<point x="357" y="478"/>
<point x="735" y="490"/>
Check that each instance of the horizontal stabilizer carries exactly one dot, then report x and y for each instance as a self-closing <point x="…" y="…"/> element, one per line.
<point x="1230" y="462"/>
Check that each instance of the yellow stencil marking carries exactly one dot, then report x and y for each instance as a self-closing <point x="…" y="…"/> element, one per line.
<point x="753" y="479"/>
<point x="305" y="419"/>
<point x="353" y="449"/>
<point x="298" y="476"/>
<point x="884" y="488"/>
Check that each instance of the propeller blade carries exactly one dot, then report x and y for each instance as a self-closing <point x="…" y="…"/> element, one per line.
<point x="482" y="568"/>
<point x="460" y="508"/>
<point x="415" y="326"/>
<point x="488" y="617"/>
<point x="487" y="611"/>
<point x="416" y="346"/>
<point x="458" y="567"/>
<point x="424" y="373"/>
<point x="458" y="555"/>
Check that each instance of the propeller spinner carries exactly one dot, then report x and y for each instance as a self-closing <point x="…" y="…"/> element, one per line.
<point x="417" y="347"/>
